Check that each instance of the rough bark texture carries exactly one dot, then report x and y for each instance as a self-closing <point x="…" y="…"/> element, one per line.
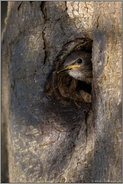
<point x="107" y="62"/>
<point x="4" y="153"/>
<point x="51" y="141"/>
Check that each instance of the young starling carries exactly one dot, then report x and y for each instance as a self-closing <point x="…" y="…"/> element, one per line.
<point x="78" y="65"/>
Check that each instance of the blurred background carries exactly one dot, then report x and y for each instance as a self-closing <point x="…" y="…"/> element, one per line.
<point x="3" y="13"/>
<point x="4" y="152"/>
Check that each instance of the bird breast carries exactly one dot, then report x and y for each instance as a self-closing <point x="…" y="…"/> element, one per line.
<point x="75" y="74"/>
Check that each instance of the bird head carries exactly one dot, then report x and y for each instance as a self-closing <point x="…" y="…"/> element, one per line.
<point x="79" y="66"/>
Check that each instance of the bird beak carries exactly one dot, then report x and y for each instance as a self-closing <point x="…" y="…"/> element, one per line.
<point x="68" y="68"/>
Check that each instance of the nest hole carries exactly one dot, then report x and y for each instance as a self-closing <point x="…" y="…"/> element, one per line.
<point x="62" y="86"/>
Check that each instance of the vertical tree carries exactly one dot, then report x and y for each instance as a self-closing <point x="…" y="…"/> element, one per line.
<point x="52" y="137"/>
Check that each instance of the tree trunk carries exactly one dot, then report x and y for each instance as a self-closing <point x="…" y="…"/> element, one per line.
<point x="53" y="138"/>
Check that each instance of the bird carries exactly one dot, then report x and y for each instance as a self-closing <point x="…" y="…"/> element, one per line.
<point x="78" y="65"/>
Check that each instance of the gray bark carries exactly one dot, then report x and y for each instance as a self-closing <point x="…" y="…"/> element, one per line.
<point x="50" y="140"/>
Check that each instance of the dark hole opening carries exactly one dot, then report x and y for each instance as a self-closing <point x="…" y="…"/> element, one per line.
<point x="84" y="86"/>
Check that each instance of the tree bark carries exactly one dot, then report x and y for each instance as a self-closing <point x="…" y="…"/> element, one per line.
<point x="49" y="139"/>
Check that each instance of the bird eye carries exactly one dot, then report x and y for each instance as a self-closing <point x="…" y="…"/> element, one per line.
<point x="79" y="61"/>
